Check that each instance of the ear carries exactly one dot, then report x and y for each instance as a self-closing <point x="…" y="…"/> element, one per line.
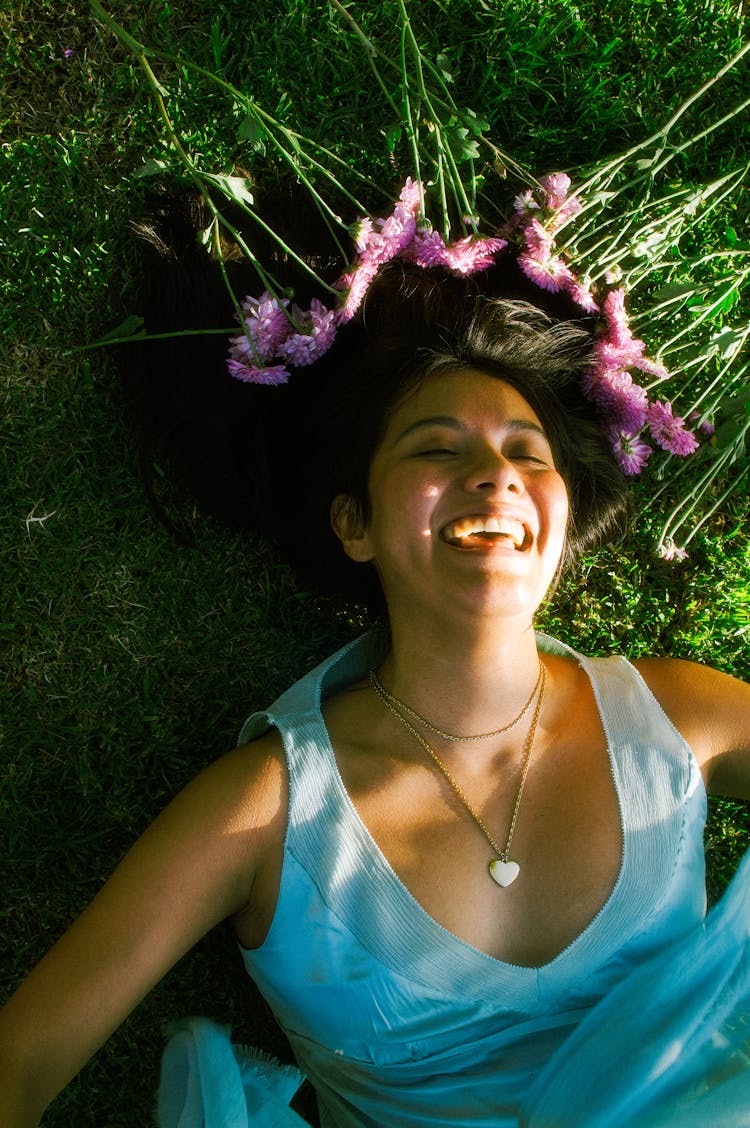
<point x="349" y="526"/>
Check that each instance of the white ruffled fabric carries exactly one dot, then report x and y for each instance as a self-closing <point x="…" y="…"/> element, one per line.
<point x="207" y="1082"/>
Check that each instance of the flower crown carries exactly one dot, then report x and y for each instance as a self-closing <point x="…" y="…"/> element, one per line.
<point x="276" y="336"/>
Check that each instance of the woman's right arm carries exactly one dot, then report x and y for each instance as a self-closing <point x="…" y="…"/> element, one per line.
<point x="196" y="865"/>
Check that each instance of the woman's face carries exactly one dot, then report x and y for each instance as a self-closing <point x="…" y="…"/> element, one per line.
<point x="467" y="505"/>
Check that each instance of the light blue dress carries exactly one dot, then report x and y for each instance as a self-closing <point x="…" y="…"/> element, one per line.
<point x="643" y="1020"/>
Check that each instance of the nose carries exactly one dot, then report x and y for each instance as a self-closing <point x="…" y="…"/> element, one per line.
<point x="492" y="472"/>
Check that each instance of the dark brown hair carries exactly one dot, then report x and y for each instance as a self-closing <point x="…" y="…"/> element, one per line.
<point x="273" y="459"/>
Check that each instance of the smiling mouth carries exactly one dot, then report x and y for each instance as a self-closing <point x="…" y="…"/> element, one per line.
<point x="481" y="532"/>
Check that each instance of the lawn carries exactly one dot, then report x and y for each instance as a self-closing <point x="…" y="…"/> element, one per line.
<point x="130" y="660"/>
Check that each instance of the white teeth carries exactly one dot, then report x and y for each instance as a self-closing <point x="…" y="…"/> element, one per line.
<point x="499" y="526"/>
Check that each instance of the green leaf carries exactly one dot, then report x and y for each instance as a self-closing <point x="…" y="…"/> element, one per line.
<point x="250" y="129"/>
<point x="442" y="65"/>
<point x="728" y="434"/>
<point x="233" y="187"/>
<point x="672" y="292"/>
<point x="728" y="341"/>
<point x="150" y="167"/>
<point x="739" y="404"/>
<point x="463" y="147"/>
<point x="473" y="122"/>
<point x="393" y="135"/>
<point x="132" y="326"/>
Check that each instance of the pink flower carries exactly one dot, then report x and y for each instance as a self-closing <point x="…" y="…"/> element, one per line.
<point x="551" y="274"/>
<point x="410" y="198"/>
<point x="393" y="235"/>
<point x="255" y="374"/>
<point x="570" y="208"/>
<point x="670" y="551"/>
<point x="360" y="233"/>
<point x="564" y="207"/>
<point x="538" y="240"/>
<point x="318" y="326"/>
<point x="619" y="348"/>
<point x="582" y="296"/>
<point x="525" y="202"/>
<point x="669" y="430"/>
<point x="630" y="451"/>
<point x="426" y="249"/>
<point x="624" y="404"/>
<point x="618" y="331"/>
<point x="651" y="367"/>
<point x="241" y="349"/>
<point x="556" y="187"/>
<point x="466" y="256"/>
<point x="354" y="286"/>
<point x="266" y="323"/>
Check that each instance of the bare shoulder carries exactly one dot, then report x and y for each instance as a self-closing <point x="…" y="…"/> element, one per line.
<point x="711" y="710"/>
<point x="249" y="783"/>
<point x="236" y="807"/>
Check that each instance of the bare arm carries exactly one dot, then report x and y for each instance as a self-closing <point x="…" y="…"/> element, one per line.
<point x="196" y="865"/>
<point x="712" y="711"/>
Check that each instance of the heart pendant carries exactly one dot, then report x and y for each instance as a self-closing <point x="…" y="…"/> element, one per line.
<point x="504" y="873"/>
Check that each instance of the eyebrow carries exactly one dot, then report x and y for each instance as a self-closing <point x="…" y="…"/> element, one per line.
<point x="456" y="425"/>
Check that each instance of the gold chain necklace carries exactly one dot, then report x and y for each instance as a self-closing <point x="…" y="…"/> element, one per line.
<point x="502" y="869"/>
<point x="391" y="700"/>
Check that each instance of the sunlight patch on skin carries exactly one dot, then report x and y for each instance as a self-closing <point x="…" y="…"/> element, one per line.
<point x="431" y="491"/>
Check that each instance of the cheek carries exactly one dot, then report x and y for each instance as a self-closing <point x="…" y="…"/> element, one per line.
<point x="559" y="513"/>
<point x="402" y="509"/>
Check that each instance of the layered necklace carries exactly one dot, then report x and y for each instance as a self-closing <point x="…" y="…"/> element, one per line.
<point x="503" y="870"/>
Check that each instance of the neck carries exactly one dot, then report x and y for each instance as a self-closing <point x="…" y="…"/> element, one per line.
<point x="464" y="681"/>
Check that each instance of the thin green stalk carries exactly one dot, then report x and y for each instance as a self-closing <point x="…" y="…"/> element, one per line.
<point x="200" y="181"/>
<point x="263" y="117"/>
<point x="223" y="268"/>
<point x="730" y="489"/>
<point x="443" y="197"/>
<point x="134" y="337"/>
<point x="332" y="232"/>
<point x="371" y="51"/>
<point x="157" y="91"/>
<point x="661" y="134"/>
<point x="685" y="508"/>
<point x="721" y="381"/>
<point x="459" y="193"/>
<point x="706" y="313"/>
<point x="715" y="465"/>
<point x="118" y="31"/>
<point x="248" y="104"/>
<point x="195" y="176"/>
<point x="409" y="121"/>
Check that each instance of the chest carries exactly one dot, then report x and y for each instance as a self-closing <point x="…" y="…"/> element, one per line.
<point x="567" y="838"/>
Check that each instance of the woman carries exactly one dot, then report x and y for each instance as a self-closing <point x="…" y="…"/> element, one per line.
<point x="446" y="846"/>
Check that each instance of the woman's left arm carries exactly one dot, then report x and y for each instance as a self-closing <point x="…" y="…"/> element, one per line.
<point x="712" y="711"/>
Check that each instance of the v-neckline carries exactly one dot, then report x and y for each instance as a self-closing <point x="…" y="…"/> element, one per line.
<point x="364" y="837"/>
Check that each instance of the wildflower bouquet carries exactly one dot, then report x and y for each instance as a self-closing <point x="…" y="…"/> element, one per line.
<point x="612" y="230"/>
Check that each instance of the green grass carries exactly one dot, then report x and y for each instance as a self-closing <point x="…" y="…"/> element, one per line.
<point x="130" y="662"/>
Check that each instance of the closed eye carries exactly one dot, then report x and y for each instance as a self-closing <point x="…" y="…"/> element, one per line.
<point x="435" y="452"/>
<point x="537" y="454"/>
<point x="526" y="457"/>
